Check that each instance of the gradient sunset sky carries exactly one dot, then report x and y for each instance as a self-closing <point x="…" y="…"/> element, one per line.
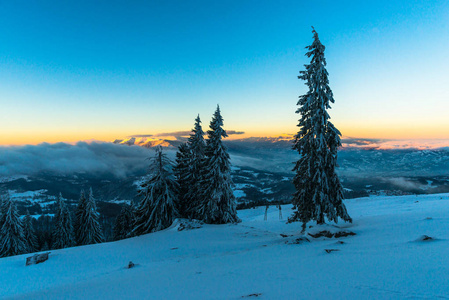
<point x="103" y="70"/>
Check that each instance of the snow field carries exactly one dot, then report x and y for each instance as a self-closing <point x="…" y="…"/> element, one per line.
<point x="385" y="260"/>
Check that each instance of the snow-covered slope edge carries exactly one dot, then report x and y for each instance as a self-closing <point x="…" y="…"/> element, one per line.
<point x="384" y="260"/>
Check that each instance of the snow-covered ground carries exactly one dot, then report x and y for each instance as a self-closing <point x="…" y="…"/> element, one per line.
<point x="28" y="195"/>
<point x="4" y="179"/>
<point x="385" y="260"/>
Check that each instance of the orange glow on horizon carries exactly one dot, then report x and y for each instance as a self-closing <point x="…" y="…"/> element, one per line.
<point x="419" y="134"/>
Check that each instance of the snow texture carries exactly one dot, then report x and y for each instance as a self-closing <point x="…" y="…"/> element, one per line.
<point x="387" y="259"/>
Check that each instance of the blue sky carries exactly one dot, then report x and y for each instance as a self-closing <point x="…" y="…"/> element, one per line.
<point x="107" y="69"/>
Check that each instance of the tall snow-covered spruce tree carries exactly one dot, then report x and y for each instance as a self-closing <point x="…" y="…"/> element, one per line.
<point x="12" y="238"/>
<point x="29" y="233"/>
<point x="63" y="229"/>
<point x="79" y="218"/>
<point x="157" y="210"/>
<point x="319" y="193"/>
<point x="197" y="150"/>
<point x="217" y="202"/>
<point x="183" y="175"/>
<point x="124" y="222"/>
<point x="89" y="230"/>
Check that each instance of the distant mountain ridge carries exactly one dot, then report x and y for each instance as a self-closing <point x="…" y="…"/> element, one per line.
<point x="148" y="142"/>
<point x="286" y="141"/>
<point x="283" y="141"/>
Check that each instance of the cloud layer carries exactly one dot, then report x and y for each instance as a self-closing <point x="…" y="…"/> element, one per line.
<point x="122" y="161"/>
<point x="64" y="158"/>
<point x="384" y="144"/>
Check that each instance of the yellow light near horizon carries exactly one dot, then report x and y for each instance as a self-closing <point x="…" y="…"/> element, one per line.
<point x="366" y="130"/>
<point x="38" y="137"/>
<point x="396" y="131"/>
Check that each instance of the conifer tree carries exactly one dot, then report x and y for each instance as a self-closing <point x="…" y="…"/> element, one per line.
<point x="44" y="229"/>
<point x="12" y="238"/>
<point x="90" y="229"/>
<point x="45" y="246"/>
<point x="29" y="233"/>
<point x="157" y="209"/>
<point x="124" y="223"/>
<point x="183" y="175"/>
<point x="79" y="218"/>
<point x="63" y="229"/>
<point x="217" y="202"/>
<point x="197" y="147"/>
<point x="3" y="202"/>
<point x="319" y="193"/>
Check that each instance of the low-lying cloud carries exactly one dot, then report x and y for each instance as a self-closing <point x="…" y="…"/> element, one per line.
<point x="122" y="161"/>
<point x="404" y="183"/>
<point x="62" y="158"/>
<point x="388" y="144"/>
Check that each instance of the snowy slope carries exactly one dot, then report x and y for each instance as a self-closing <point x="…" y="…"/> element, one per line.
<point x="383" y="261"/>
